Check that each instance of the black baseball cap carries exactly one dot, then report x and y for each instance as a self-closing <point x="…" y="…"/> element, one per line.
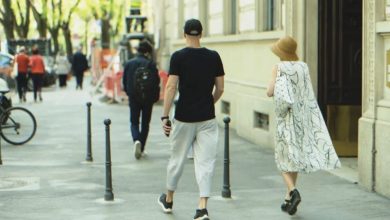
<point x="193" y="27"/>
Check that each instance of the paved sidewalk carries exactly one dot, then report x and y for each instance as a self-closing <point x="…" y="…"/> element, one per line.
<point x="47" y="178"/>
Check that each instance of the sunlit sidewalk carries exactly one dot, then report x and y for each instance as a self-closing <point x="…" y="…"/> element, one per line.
<point x="48" y="177"/>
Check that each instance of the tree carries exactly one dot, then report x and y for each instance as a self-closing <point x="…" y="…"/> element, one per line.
<point x="106" y="14"/>
<point x="85" y="15"/>
<point x="66" y="30"/>
<point x="40" y="17"/>
<point x="22" y="22"/>
<point x="8" y="19"/>
<point x="54" y="25"/>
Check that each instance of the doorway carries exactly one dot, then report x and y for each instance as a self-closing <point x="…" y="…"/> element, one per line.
<point x="340" y="71"/>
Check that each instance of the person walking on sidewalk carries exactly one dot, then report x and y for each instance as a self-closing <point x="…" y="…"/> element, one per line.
<point x="303" y="143"/>
<point x="79" y="66"/>
<point x="62" y="68"/>
<point x="37" y="66"/>
<point x="198" y="71"/>
<point x="142" y="85"/>
<point x="21" y="79"/>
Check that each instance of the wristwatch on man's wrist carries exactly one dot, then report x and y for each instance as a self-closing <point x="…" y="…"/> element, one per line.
<point x="164" y="117"/>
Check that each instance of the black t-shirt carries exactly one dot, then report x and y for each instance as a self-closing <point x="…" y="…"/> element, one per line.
<point x="197" y="69"/>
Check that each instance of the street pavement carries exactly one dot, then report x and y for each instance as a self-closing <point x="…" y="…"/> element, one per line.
<point x="48" y="178"/>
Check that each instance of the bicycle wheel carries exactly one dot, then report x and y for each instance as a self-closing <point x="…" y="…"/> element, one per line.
<point x="18" y="125"/>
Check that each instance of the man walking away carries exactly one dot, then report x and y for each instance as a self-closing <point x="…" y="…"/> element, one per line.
<point x="23" y="61"/>
<point x="79" y="66"/>
<point x="198" y="71"/>
<point x="142" y="85"/>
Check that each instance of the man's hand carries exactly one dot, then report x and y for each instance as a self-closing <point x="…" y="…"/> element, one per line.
<point x="167" y="127"/>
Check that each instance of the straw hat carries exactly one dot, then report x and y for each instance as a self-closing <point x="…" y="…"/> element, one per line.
<point x="285" y="48"/>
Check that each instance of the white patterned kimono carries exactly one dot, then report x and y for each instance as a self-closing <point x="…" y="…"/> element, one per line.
<point x="302" y="139"/>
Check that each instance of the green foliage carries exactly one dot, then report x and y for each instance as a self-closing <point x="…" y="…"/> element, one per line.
<point x="110" y="13"/>
<point x="48" y="16"/>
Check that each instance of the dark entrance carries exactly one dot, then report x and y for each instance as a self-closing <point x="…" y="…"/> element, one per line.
<point x="340" y="70"/>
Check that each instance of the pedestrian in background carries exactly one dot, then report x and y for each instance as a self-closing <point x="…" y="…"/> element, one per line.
<point x="22" y="61"/>
<point x="79" y="66"/>
<point x="303" y="143"/>
<point x="142" y="85"/>
<point x="37" y="66"/>
<point x="62" y="68"/>
<point x="198" y="71"/>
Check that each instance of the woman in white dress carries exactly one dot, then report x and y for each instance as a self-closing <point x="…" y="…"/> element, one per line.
<point x="303" y="143"/>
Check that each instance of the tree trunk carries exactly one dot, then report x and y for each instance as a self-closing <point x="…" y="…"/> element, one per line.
<point x="68" y="39"/>
<point x="54" y="36"/>
<point x="8" y="20"/>
<point x="42" y="27"/>
<point x="86" y="36"/>
<point x="23" y="28"/>
<point x="9" y="31"/>
<point x="41" y="18"/>
<point x="106" y="40"/>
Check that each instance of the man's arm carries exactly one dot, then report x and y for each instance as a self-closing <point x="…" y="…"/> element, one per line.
<point x="219" y="86"/>
<point x="170" y="91"/>
<point x="124" y="78"/>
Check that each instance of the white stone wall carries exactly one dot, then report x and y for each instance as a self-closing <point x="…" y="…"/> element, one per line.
<point x="374" y="125"/>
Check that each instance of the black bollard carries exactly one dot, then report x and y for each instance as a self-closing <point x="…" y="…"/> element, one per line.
<point x="89" y="135"/>
<point x="108" y="196"/>
<point x="226" y="193"/>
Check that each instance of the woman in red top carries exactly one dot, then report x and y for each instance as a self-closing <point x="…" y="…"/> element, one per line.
<point x="23" y="61"/>
<point x="37" y="71"/>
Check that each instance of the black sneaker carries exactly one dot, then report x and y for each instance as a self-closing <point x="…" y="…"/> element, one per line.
<point x="294" y="202"/>
<point x="166" y="206"/>
<point x="285" y="206"/>
<point x="201" y="214"/>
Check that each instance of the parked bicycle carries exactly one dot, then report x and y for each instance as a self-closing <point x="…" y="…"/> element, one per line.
<point x="17" y="124"/>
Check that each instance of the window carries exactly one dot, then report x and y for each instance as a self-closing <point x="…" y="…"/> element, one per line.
<point x="215" y="15"/>
<point x="225" y="17"/>
<point x="270" y="15"/>
<point x="274" y="15"/>
<point x="261" y="120"/>
<point x="225" y="107"/>
<point x="191" y="9"/>
<point x="173" y="26"/>
<point x="246" y="15"/>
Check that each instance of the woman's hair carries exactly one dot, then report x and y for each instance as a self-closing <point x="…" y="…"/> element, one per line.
<point x="35" y="50"/>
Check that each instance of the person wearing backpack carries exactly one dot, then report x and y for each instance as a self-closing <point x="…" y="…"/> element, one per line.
<point x="141" y="83"/>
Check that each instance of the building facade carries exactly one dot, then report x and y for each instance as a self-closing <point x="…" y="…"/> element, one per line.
<point x="346" y="44"/>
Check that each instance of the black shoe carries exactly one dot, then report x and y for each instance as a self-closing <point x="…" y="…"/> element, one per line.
<point x="201" y="214"/>
<point x="166" y="206"/>
<point x="285" y="206"/>
<point x="294" y="202"/>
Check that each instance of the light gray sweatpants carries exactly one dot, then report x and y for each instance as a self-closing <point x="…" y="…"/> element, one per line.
<point x="203" y="137"/>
